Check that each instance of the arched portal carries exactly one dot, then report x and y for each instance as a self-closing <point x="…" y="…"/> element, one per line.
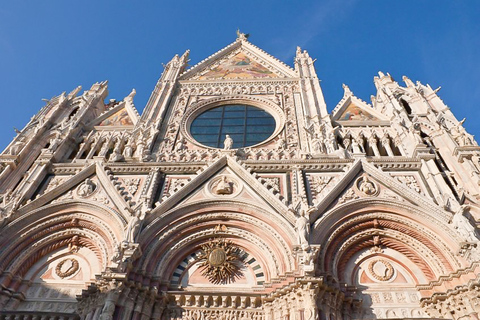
<point x="383" y="252"/>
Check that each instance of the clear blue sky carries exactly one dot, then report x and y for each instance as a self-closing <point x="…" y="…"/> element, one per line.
<point x="47" y="47"/>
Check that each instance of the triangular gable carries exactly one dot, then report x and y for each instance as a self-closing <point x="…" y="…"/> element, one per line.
<point x="103" y="190"/>
<point x="343" y="192"/>
<point x="239" y="60"/>
<point x="119" y="118"/>
<point x="353" y="111"/>
<point x="123" y="115"/>
<point x="240" y="66"/>
<point x="230" y="167"/>
<point x="356" y="113"/>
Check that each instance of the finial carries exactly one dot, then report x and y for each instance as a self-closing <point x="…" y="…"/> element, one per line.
<point x="346" y="89"/>
<point x="242" y="36"/>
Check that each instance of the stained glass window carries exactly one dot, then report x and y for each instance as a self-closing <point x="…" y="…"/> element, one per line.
<point x="246" y="125"/>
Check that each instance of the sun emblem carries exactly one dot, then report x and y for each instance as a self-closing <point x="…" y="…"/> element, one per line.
<point x="221" y="262"/>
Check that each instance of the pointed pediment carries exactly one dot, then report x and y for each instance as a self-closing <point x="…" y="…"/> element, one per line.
<point x="91" y="184"/>
<point x="354" y="111"/>
<point x="364" y="181"/>
<point x="123" y="115"/>
<point x="225" y="179"/>
<point x="240" y="66"/>
<point x="239" y="60"/>
<point x="119" y="118"/>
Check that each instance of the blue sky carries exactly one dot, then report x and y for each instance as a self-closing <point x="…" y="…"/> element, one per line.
<point x="47" y="47"/>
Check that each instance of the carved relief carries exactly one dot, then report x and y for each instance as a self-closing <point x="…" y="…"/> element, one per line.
<point x="86" y="189"/>
<point x="221" y="261"/>
<point x="224" y="186"/>
<point x="366" y="186"/>
<point x="381" y="269"/>
<point x="67" y="267"/>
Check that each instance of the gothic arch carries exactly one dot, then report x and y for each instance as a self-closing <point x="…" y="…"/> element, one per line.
<point x="49" y="228"/>
<point x="169" y="239"/>
<point x="367" y="223"/>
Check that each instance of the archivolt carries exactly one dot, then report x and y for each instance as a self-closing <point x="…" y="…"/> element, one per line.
<point x="38" y="233"/>
<point x="341" y="235"/>
<point x="180" y="233"/>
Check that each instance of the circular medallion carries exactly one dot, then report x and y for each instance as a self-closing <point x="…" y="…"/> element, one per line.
<point x="381" y="270"/>
<point x="67" y="267"/>
<point x="217" y="257"/>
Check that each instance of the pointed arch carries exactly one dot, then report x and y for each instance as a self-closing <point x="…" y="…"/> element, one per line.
<point x="170" y="238"/>
<point x="366" y="223"/>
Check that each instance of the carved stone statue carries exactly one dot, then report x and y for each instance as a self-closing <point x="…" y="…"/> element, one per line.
<point x="302" y="226"/>
<point x="228" y="143"/>
<point x="463" y="226"/>
<point x="86" y="188"/>
<point x="117" y="154"/>
<point x="128" y="150"/>
<point x="17" y="146"/>
<point x="224" y="186"/>
<point x="134" y="226"/>
<point x="367" y="187"/>
<point x="55" y="142"/>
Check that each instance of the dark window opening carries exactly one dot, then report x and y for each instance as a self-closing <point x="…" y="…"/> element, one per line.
<point x="246" y="125"/>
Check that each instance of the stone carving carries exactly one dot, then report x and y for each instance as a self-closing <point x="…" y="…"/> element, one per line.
<point x="348" y="196"/>
<point x="134" y="225"/>
<point x="224" y="186"/>
<point x="220" y="261"/>
<point x="410" y="181"/>
<point x="55" y="142"/>
<point x="67" y="267"/>
<point x="17" y="146"/>
<point x="227" y="143"/>
<point x="381" y="269"/>
<point x="366" y="186"/>
<point x="463" y="226"/>
<point x="116" y="155"/>
<point x="86" y="189"/>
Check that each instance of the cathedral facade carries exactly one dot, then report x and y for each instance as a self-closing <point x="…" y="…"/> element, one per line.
<point x="236" y="195"/>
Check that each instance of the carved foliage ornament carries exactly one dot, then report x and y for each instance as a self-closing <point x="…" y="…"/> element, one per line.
<point x="67" y="267"/>
<point x="221" y="262"/>
<point x="381" y="269"/>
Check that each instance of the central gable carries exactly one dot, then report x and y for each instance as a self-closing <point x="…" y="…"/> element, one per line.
<point x="239" y="66"/>
<point x="239" y="60"/>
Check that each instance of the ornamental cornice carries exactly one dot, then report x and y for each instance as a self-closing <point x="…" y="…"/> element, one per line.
<point x="451" y="276"/>
<point x="233" y="82"/>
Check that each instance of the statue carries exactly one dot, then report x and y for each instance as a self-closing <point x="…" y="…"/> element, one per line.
<point x="17" y="146"/>
<point x="228" y="143"/>
<point x="417" y="133"/>
<point x="367" y="187"/>
<point x="55" y="142"/>
<point x="128" y="150"/>
<point x="134" y="226"/>
<point x="180" y="144"/>
<point x="463" y="226"/>
<point x="116" y="155"/>
<point x="280" y="143"/>
<point x="86" y="188"/>
<point x="224" y="186"/>
<point x="302" y="225"/>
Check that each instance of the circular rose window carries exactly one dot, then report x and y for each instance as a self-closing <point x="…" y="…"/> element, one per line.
<point x="246" y="125"/>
